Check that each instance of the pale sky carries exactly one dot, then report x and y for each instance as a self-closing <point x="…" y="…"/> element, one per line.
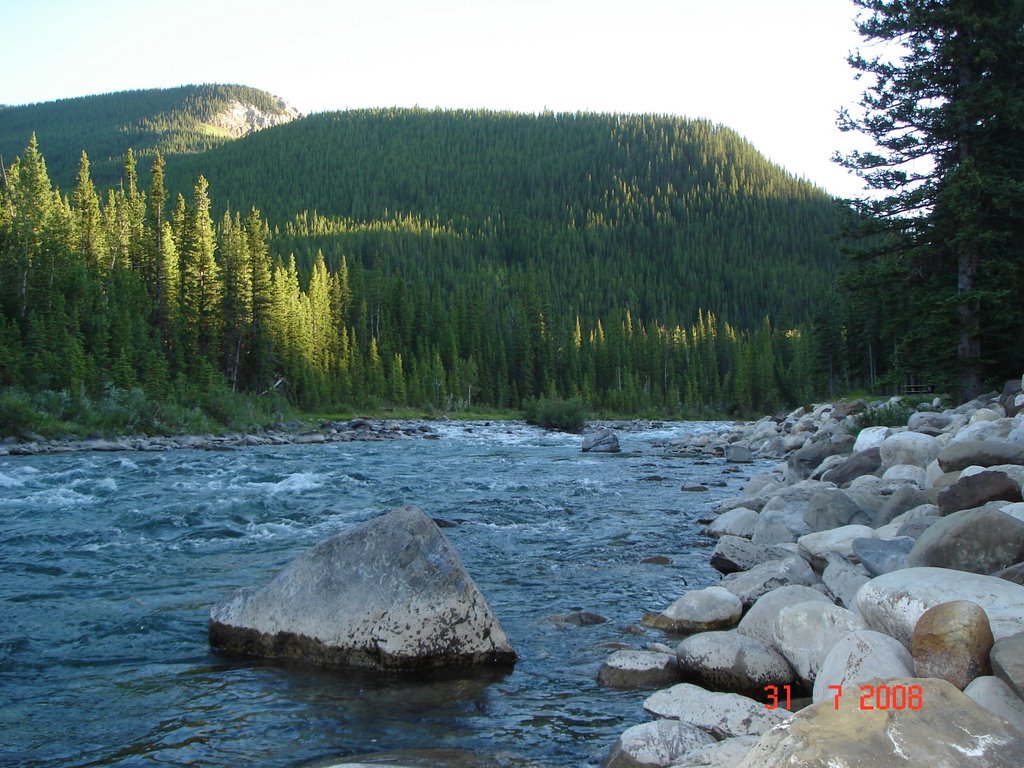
<point x="773" y="70"/>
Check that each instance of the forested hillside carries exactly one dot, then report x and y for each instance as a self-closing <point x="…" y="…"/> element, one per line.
<point x="433" y="259"/>
<point x="192" y="118"/>
<point x="658" y="215"/>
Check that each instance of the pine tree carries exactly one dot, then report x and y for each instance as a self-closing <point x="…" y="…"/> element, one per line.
<point x="945" y="116"/>
<point x="201" y="288"/>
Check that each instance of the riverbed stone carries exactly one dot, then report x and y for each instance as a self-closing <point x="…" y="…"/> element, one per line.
<point x="723" y="715"/>
<point x="831" y="508"/>
<point x="759" y="621"/>
<point x="780" y="522"/>
<point x="806" y="632"/>
<point x="731" y="662"/>
<point x="657" y="744"/>
<point x="735" y="522"/>
<point x="750" y="585"/>
<point x="738" y="454"/>
<point x="983" y="453"/>
<point x="909" y="448"/>
<point x="893" y="603"/>
<point x="1007" y="659"/>
<point x="880" y="556"/>
<point x="997" y="697"/>
<point x="929" y="422"/>
<point x="734" y="553"/>
<point x="858" y="657"/>
<point x="976" y="540"/>
<point x="634" y="668"/>
<point x="390" y="593"/>
<point x="871" y="437"/>
<point x="952" y="641"/>
<point x="863" y="463"/>
<point x="723" y="754"/>
<point x="949" y="730"/>
<point x="601" y="441"/>
<point x="801" y="463"/>
<point x="843" y="578"/>
<point x="704" y="609"/>
<point x="815" y="548"/>
<point x="974" y="490"/>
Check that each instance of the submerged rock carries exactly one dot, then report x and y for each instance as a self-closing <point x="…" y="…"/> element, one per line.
<point x="390" y="593"/>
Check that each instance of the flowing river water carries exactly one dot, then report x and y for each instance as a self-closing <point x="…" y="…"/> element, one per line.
<point x="111" y="562"/>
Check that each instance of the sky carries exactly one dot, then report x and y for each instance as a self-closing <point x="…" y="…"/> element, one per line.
<point x="773" y="70"/>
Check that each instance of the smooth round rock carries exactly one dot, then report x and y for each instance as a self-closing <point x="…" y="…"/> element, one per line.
<point x="997" y="697"/>
<point x="860" y="656"/>
<point x="658" y="743"/>
<point x="912" y="448"/>
<point x="705" y="609"/>
<point x="952" y="641"/>
<point x="759" y="621"/>
<point x="723" y="715"/>
<point x="638" y="669"/>
<point x="805" y="633"/>
<point x="728" y="661"/>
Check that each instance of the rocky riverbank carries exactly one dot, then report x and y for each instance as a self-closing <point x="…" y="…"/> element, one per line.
<point x="871" y="606"/>
<point x="292" y="433"/>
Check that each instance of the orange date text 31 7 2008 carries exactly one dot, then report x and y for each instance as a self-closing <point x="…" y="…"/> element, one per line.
<point x="872" y="697"/>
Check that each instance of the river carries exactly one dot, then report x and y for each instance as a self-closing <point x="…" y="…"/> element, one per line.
<point x="111" y="562"/>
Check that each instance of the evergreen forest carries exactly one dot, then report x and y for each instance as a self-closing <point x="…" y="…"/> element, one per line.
<point x="432" y="259"/>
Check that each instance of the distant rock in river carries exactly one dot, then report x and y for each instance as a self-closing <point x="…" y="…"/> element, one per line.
<point x="390" y="593"/>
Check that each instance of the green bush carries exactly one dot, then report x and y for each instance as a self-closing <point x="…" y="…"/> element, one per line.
<point x="557" y="413"/>
<point x="888" y="415"/>
<point x="17" y="414"/>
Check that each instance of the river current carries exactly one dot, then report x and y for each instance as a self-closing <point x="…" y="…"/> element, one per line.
<point x="111" y="562"/>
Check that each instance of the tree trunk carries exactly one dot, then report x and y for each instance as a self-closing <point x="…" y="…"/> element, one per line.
<point x="969" y="311"/>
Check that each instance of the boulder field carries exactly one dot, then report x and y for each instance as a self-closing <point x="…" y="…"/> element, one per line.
<point x="871" y="607"/>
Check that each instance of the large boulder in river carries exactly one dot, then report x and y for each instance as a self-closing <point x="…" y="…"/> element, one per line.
<point x="602" y="441"/>
<point x="389" y="593"/>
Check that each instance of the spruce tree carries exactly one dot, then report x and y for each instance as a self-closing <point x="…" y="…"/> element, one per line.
<point x="945" y="115"/>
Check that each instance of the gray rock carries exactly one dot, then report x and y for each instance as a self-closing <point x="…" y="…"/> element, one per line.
<point x="752" y="584"/>
<point x="903" y="500"/>
<point x="914" y="528"/>
<point x="723" y="754"/>
<point x="816" y="548"/>
<point x="864" y="463"/>
<point x="948" y="730"/>
<point x="1009" y="398"/>
<point x="929" y="422"/>
<point x="735" y="522"/>
<point x="871" y="437"/>
<point x="893" y="603"/>
<point x="638" y="669"/>
<point x="909" y="448"/>
<point x="860" y="656"/>
<point x="952" y="641"/>
<point x="780" y="522"/>
<point x="704" y="609"/>
<point x="723" y="715"/>
<point x="1007" y="659"/>
<point x="759" y="621"/>
<point x="657" y="744"/>
<point x="832" y="508"/>
<point x="805" y="633"/>
<point x="976" y="540"/>
<point x="880" y="556"/>
<point x="843" y="579"/>
<point x="982" y="453"/>
<point x="733" y="554"/>
<point x="602" y="441"/>
<point x="738" y="454"/>
<point x="972" y="491"/>
<point x="729" y="661"/>
<point x="1014" y="573"/>
<point x="803" y="462"/>
<point x="390" y="593"/>
<point x="997" y="697"/>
